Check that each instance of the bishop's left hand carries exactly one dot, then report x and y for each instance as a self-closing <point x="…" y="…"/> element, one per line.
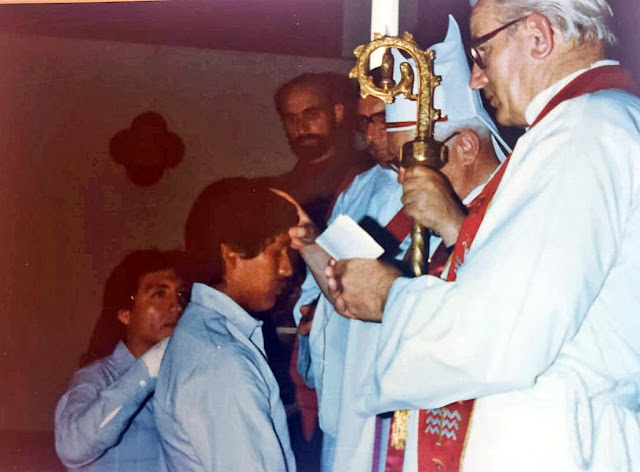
<point x="360" y="287"/>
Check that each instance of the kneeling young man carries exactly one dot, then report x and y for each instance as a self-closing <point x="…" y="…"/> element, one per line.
<point x="217" y="403"/>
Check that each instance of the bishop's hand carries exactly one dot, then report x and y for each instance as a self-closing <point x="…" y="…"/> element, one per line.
<point x="430" y="199"/>
<point x="359" y="287"/>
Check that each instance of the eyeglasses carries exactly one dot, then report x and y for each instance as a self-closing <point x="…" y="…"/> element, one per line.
<point x="377" y="119"/>
<point x="475" y="54"/>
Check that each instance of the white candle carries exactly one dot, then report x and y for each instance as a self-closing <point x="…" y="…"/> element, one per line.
<point x="384" y="20"/>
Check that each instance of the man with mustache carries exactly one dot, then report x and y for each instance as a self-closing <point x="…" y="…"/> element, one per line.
<point x="217" y="402"/>
<point x="105" y="420"/>
<point x="536" y="327"/>
<point x="318" y="117"/>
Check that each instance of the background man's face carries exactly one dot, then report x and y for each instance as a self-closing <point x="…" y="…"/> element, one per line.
<point x="309" y="121"/>
<point x="396" y="139"/>
<point x="156" y="307"/>
<point x="371" y="124"/>
<point x="263" y="277"/>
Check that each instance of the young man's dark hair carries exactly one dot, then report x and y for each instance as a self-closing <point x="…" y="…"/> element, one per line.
<point x="241" y="213"/>
<point x="215" y="372"/>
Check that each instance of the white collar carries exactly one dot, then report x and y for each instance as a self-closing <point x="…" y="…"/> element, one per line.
<point x="540" y="101"/>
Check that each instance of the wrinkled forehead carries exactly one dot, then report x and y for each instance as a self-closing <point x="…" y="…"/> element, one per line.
<point x="301" y="97"/>
<point x="484" y="18"/>
<point x="370" y="106"/>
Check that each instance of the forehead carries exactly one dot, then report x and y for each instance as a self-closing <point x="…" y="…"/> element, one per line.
<point x="301" y="97"/>
<point x="280" y="241"/>
<point x="160" y="277"/>
<point x="370" y="106"/>
<point x="484" y="18"/>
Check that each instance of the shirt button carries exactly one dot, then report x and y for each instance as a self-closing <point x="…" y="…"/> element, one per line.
<point x="143" y="383"/>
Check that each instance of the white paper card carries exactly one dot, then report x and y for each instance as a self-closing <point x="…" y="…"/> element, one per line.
<point x="345" y="239"/>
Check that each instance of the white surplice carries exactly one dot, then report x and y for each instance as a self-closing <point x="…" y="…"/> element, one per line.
<point x="542" y="325"/>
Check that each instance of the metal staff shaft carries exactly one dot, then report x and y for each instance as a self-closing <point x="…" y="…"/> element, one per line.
<point x="424" y="150"/>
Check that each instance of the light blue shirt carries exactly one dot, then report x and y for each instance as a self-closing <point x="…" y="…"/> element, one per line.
<point x="217" y="403"/>
<point x="105" y="422"/>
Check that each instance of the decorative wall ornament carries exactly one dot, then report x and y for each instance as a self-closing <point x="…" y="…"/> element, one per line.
<point x="146" y="149"/>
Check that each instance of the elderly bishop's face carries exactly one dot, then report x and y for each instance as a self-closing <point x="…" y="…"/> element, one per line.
<point x="504" y="56"/>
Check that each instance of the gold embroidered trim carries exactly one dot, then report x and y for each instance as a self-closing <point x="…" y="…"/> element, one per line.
<point x="399" y="429"/>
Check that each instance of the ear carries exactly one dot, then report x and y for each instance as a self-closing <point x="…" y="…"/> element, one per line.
<point x="229" y="258"/>
<point x="124" y="316"/>
<point x="467" y="146"/>
<point x="541" y="32"/>
<point x="338" y="112"/>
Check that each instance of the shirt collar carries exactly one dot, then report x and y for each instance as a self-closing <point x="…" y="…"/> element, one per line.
<point x="225" y="306"/>
<point x="540" y="101"/>
<point x="122" y="357"/>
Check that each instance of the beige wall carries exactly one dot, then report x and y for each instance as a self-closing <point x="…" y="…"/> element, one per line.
<point x="68" y="212"/>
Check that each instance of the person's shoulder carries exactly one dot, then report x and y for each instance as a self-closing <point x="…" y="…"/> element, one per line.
<point x="604" y="116"/>
<point x="367" y="174"/>
<point x="588" y="118"/>
<point x="371" y="181"/>
<point x="598" y="130"/>
<point x="605" y="105"/>
<point x="203" y="336"/>
<point x="199" y="330"/>
<point x="100" y="372"/>
<point x="221" y="357"/>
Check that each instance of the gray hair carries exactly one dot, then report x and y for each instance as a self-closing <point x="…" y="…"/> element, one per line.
<point x="587" y="20"/>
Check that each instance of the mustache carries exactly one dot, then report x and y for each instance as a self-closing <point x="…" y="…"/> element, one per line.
<point x="303" y="139"/>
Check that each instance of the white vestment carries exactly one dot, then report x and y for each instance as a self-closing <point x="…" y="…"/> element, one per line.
<point x="542" y="325"/>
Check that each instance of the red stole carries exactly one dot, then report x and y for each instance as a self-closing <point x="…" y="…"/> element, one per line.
<point x="395" y="457"/>
<point x="442" y="432"/>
